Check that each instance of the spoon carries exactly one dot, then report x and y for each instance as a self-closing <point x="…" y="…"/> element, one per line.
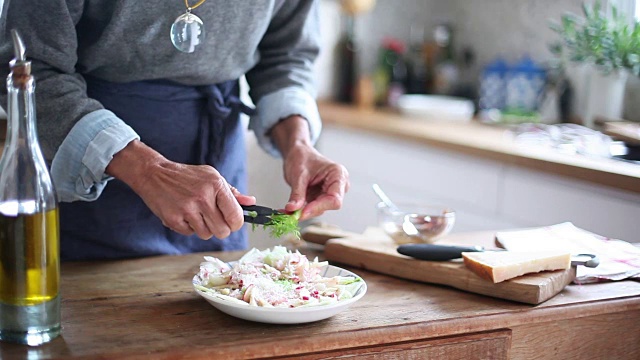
<point x="407" y="225"/>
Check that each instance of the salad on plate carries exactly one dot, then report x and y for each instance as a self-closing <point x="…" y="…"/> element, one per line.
<point x="276" y="278"/>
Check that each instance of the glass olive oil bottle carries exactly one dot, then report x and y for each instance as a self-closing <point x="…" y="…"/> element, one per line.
<point x="29" y="232"/>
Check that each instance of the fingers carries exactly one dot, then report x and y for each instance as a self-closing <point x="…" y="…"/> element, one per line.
<point x="193" y="199"/>
<point x="221" y="228"/>
<point x="189" y="221"/>
<point x="198" y="224"/>
<point x="181" y="227"/>
<point x="229" y="207"/>
<point x="321" y="204"/>
<point x="329" y="199"/>
<point x="298" y="193"/>
<point x="220" y="216"/>
<point x="334" y="183"/>
<point x="205" y="227"/>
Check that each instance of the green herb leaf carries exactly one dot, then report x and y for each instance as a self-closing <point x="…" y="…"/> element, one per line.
<point x="281" y="224"/>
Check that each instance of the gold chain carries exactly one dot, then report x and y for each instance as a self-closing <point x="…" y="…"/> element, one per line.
<point x="186" y="3"/>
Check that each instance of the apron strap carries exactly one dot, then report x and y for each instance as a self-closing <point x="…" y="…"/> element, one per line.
<point x="223" y="104"/>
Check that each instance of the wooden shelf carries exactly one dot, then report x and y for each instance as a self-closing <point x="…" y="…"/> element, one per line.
<point x="487" y="141"/>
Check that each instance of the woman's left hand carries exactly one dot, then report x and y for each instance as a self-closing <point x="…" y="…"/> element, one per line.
<point x="317" y="183"/>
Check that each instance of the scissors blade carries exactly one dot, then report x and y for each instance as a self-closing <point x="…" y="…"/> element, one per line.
<point x="258" y="220"/>
<point x="257" y="214"/>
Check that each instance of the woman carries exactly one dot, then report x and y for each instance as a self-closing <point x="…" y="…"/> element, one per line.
<point x="138" y="111"/>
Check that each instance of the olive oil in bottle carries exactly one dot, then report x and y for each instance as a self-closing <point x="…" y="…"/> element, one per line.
<point x="29" y="269"/>
<point x="29" y="231"/>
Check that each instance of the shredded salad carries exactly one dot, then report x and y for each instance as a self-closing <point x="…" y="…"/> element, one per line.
<point x="274" y="278"/>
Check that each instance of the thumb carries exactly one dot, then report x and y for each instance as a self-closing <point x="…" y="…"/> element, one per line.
<point x="297" y="197"/>
<point x="242" y="198"/>
<point x="246" y="199"/>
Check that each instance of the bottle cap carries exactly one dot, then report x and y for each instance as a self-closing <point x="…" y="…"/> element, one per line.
<point x="20" y="66"/>
<point x="18" y="46"/>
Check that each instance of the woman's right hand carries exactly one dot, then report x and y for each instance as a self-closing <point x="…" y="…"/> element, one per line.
<point x="187" y="198"/>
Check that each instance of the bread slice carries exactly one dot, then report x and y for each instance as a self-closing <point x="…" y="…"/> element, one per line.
<point x="498" y="266"/>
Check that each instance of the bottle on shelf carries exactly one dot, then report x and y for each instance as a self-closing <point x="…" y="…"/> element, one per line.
<point x="348" y="58"/>
<point x="29" y="231"/>
<point x="348" y="79"/>
<point x="467" y="85"/>
<point x="391" y="72"/>
<point x="417" y="71"/>
<point x="445" y="67"/>
<point x="398" y="80"/>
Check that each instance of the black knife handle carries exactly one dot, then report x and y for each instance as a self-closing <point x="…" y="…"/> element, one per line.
<point x="433" y="252"/>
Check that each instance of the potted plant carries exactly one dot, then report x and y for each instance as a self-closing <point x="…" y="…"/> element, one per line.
<point x="604" y="50"/>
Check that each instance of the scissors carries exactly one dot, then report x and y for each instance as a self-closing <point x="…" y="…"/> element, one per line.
<point x="257" y="214"/>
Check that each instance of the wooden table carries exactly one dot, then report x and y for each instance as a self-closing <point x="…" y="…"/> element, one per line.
<point x="146" y="308"/>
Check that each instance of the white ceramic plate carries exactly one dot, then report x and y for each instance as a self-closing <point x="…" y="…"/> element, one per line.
<point x="297" y="315"/>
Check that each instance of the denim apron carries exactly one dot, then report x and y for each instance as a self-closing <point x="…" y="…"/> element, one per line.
<point x="186" y="124"/>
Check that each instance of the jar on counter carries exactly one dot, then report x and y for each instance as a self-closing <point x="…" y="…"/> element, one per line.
<point x="493" y="85"/>
<point x="525" y="83"/>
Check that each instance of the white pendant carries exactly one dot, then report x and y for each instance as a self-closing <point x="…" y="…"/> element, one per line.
<point x="187" y="32"/>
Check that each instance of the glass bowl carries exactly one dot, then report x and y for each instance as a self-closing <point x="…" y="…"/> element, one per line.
<point x="430" y="221"/>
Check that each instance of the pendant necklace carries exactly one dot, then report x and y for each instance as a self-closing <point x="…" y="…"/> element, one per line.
<point x="187" y="31"/>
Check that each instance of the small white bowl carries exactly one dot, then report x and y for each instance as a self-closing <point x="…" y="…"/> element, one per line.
<point x="436" y="107"/>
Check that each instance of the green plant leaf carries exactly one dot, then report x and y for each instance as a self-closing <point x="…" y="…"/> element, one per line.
<point x="609" y="43"/>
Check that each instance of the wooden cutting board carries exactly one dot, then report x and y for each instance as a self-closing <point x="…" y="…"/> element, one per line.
<point x="375" y="251"/>
<point x="628" y="132"/>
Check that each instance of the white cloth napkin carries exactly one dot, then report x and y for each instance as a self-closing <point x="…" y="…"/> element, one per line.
<point x="619" y="259"/>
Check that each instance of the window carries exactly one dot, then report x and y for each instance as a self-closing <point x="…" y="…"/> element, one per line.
<point x="631" y="8"/>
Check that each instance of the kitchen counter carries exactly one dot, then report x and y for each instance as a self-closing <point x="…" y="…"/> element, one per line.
<point x="146" y="308"/>
<point x="487" y="141"/>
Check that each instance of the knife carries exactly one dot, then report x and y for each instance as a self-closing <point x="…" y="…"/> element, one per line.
<point x="433" y="252"/>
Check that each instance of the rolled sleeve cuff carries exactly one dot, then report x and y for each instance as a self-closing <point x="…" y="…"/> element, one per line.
<point x="280" y="105"/>
<point x="79" y="164"/>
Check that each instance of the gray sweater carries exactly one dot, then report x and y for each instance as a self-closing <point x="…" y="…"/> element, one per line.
<point x="273" y="42"/>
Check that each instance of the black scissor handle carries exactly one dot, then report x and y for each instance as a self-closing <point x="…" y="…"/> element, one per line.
<point x="260" y="210"/>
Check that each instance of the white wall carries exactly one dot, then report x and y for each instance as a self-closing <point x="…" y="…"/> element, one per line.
<point x="509" y="28"/>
